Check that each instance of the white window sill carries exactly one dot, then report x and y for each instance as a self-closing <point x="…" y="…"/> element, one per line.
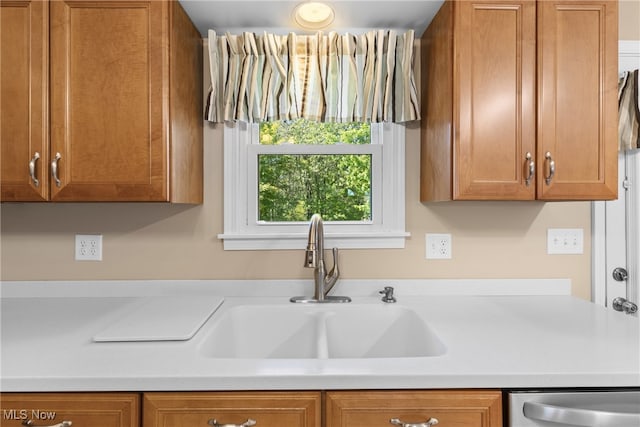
<point x="377" y="240"/>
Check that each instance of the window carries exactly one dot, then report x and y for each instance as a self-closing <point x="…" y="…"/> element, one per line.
<point x="278" y="174"/>
<point x="292" y="187"/>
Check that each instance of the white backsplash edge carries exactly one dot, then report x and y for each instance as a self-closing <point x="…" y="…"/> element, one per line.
<point x="288" y="287"/>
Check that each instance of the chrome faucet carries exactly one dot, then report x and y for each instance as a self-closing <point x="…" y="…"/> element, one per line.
<point x="314" y="258"/>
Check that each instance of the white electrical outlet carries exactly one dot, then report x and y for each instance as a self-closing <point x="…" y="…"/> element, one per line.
<point x="565" y="241"/>
<point x="88" y="247"/>
<point x="438" y="246"/>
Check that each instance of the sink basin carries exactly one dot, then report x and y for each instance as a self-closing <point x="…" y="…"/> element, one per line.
<point x="379" y="331"/>
<point x="263" y="331"/>
<point x="282" y="331"/>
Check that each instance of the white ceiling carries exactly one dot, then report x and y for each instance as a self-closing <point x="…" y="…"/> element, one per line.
<point x="354" y="16"/>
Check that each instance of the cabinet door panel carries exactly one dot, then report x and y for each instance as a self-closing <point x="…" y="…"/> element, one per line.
<point x="24" y="31"/>
<point x="82" y="409"/>
<point x="450" y="408"/>
<point x="268" y="409"/>
<point x="577" y="72"/>
<point x="108" y="99"/>
<point x="495" y="78"/>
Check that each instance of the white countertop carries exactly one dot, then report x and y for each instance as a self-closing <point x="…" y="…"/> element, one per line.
<point x="536" y="337"/>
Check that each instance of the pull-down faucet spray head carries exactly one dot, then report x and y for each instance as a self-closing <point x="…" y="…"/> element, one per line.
<point x="315" y="246"/>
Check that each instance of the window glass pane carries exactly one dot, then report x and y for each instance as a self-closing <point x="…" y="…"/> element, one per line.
<point x="303" y="131"/>
<point x="293" y="187"/>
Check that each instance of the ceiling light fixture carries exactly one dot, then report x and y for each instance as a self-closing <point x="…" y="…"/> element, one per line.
<point x="313" y="15"/>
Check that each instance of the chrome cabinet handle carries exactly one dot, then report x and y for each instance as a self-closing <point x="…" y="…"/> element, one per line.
<point x="552" y="168"/>
<point x="532" y="169"/>
<point x="32" y="169"/>
<point x="579" y="416"/>
<point x="54" y="169"/>
<point x="430" y="422"/>
<point x="248" y="423"/>
<point x="30" y="423"/>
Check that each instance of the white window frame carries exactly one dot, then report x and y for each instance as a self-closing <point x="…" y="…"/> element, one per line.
<point x="242" y="230"/>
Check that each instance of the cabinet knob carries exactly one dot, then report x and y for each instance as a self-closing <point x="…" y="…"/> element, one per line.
<point x="32" y="169"/>
<point x="531" y="165"/>
<point x="30" y="423"/>
<point x="54" y="169"/>
<point x="552" y="168"/>
<point x="430" y="422"/>
<point x="248" y="423"/>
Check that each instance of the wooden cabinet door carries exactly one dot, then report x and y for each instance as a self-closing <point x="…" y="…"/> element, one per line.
<point x="24" y="34"/>
<point x="109" y="95"/>
<point x="268" y="409"/>
<point x="81" y="409"/>
<point x="450" y="408"/>
<point x="494" y="100"/>
<point x="577" y="99"/>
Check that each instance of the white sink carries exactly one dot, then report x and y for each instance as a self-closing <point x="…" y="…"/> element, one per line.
<point x="317" y="331"/>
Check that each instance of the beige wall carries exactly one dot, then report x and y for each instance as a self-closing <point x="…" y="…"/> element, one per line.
<point x="156" y="241"/>
<point x="629" y="28"/>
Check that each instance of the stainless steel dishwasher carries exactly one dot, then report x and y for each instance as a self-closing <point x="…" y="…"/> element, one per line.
<point x="553" y="408"/>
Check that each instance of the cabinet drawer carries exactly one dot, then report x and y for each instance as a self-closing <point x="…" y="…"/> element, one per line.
<point x="81" y="409"/>
<point x="268" y="409"/>
<point x="457" y="408"/>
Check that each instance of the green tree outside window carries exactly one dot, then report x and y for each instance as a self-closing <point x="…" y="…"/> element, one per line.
<point x="292" y="187"/>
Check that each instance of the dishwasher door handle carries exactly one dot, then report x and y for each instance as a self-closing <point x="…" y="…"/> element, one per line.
<point x="579" y="416"/>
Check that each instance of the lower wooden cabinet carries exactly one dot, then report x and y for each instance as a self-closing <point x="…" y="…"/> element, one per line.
<point x="383" y="408"/>
<point x="80" y="409"/>
<point x="267" y="409"/>
<point x="446" y="408"/>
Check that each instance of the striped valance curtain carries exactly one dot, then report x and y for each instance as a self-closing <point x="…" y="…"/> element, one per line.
<point x="629" y="111"/>
<point x="322" y="77"/>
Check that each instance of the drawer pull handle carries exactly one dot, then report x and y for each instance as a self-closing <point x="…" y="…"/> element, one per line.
<point x="430" y="422"/>
<point x="552" y="168"/>
<point x="54" y="169"/>
<point x="532" y="169"/>
<point x="248" y="423"/>
<point x="30" y="423"/>
<point x="32" y="169"/>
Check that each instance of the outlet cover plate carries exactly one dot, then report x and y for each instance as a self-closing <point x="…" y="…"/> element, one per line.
<point x="565" y="241"/>
<point x="88" y="247"/>
<point x="438" y="246"/>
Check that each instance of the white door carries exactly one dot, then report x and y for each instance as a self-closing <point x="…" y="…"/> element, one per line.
<point x="616" y="224"/>
<point x="633" y="227"/>
<point x="622" y="230"/>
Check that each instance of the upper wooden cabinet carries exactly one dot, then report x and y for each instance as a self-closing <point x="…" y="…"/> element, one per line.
<point x="578" y="99"/>
<point x="519" y="101"/>
<point x="24" y="100"/>
<point x="125" y="96"/>
<point x="81" y="409"/>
